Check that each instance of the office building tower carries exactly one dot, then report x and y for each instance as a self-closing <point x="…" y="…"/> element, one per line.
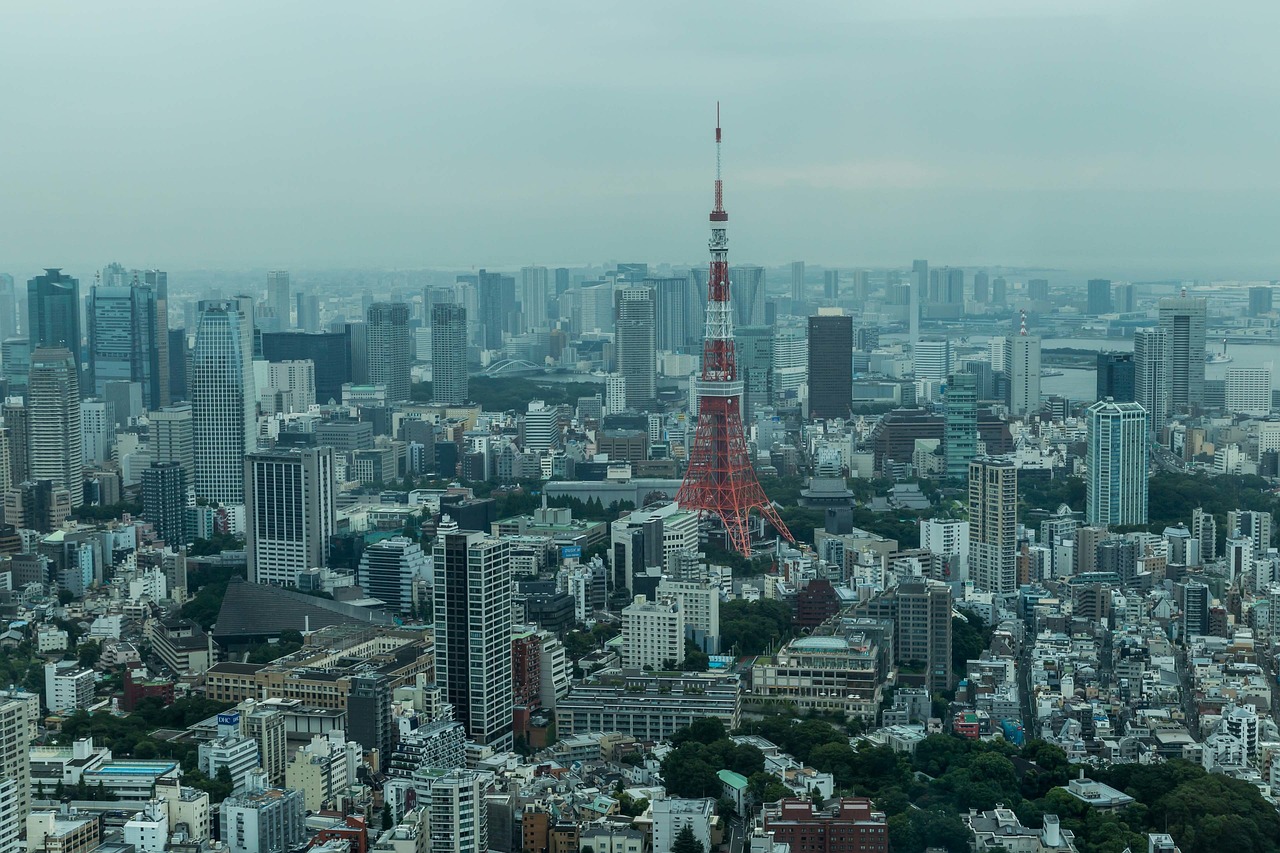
<point x="932" y="359"/>
<point x="1252" y="525"/>
<point x="54" y="440"/>
<point x="1116" y="483"/>
<point x="950" y="285"/>
<point x="389" y="569"/>
<point x="289" y="514"/>
<point x="1124" y="298"/>
<point x="981" y="287"/>
<point x="1151" y="375"/>
<point x="179" y="365"/>
<point x="790" y="364"/>
<point x="389" y="352"/>
<point x="97" y="431"/>
<point x="1098" y="297"/>
<point x="223" y="398"/>
<point x="1260" y="301"/>
<point x="861" y="285"/>
<point x="129" y="337"/>
<point x="473" y="629"/>
<point x="330" y="352"/>
<point x="753" y="347"/>
<point x="960" y="430"/>
<point x="496" y="294"/>
<point x="1116" y="377"/>
<point x="1248" y="390"/>
<point x="15" y="353"/>
<point x="746" y="292"/>
<point x="1205" y="529"/>
<point x="285" y="387"/>
<point x="358" y="351"/>
<point x="17" y="426"/>
<point x="171" y="434"/>
<point x="993" y="525"/>
<point x="831" y="284"/>
<point x="797" y="281"/>
<point x="19" y="712"/>
<point x="278" y="300"/>
<point x="919" y="287"/>
<point x="635" y="346"/>
<point x="830" y="364"/>
<point x="541" y="428"/>
<point x="1023" y="368"/>
<point x="53" y="314"/>
<point x="1038" y="290"/>
<point x="369" y="720"/>
<point x="308" y="312"/>
<point x="164" y="501"/>
<point x="449" y="354"/>
<point x="534" y="294"/>
<point x="8" y="308"/>
<point x="1183" y="319"/>
<point x="674" y="309"/>
<point x="999" y="290"/>
<point x="562" y="280"/>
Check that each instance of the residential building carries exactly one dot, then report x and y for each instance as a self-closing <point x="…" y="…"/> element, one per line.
<point x="1116" y="482"/>
<point x="672" y="814"/>
<point x="389" y="570"/>
<point x="389" y="348"/>
<point x="223" y="398"/>
<point x="19" y="712"/>
<point x="449" y="354"/>
<point x="993" y="525"/>
<point x="54" y="439"/>
<point x="1151" y="376"/>
<point x="266" y="726"/>
<point x="457" y="812"/>
<point x="652" y="634"/>
<point x="262" y="819"/>
<point x="323" y="770"/>
<point x="67" y="687"/>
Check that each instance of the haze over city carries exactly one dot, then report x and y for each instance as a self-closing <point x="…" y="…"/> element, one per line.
<point x="1129" y="139"/>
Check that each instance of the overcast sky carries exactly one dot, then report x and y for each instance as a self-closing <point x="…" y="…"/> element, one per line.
<point x="1110" y="137"/>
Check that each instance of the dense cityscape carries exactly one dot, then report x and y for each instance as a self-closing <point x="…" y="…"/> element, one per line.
<point x="444" y="429"/>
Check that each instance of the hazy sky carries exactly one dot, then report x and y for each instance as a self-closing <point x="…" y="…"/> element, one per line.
<point x="1108" y="137"/>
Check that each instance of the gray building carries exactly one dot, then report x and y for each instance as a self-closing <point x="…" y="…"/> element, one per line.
<point x="389" y="348"/>
<point x="448" y="354"/>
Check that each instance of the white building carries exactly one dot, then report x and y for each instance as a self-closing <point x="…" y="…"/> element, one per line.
<point x="18" y="719"/>
<point x="542" y="427"/>
<point x="1116" y="484"/>
<point x="262" y="819"/>
<point x="652" y="634"/>
<point x="947" y="537"/>
<point x="1024" y="373"/>
<point x="699" y="601"/>
<point x="231" y="750"/>
<point x="932" y="359"/>
<point x="67" y="687"/>
<point x="672" y="815"/>
<point x="389" y="569"/>
<point x="667" y="532"/>
<point x="148" y="830"/>
<point x="1248" y="390"/>
<point x="97" y="430"/>
<point x="457" y="815"/>
<point x="324" y="770"/>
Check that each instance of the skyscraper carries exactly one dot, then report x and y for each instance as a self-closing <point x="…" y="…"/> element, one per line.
<point x="534" y="293"/>
<point x="448" y="354"/>
<point x="1184" y="320"/>
<point x="129" y="338"/>
<point x="473" y="628"/>
<point x="1260" y="301"/>
<point x="223" y="408"/>
<point x="389" y="354"/>
<point x="746" y="289"/>
<point x="55" y="451"/>
<point x="754" y="350"/>
<point x="993" y="525"/>
<point x="1038" y="289"/>
<point x="164" y="501"/>
<point x="797" y="281"/>
<point x="18" y="714"/>
<point x="308" y="312"/>
<point x="1098" y="299"/>
<point x="1248" y="390"/>
<point x="960" y="430"/>
<point x="673" y="307"/>
<point x="278" y="299"/>
<point x="496" y="294"/>
<point x="981" y="287"/>
<point x="635" y="345"/>
<point x="1116" y="377"/>
<point x="330" y="352"/>
<point x="1116" y="484"/>
<point x="831" y="284"/>
<point x="931" y="359"/>
<point x="8" y="308"/>
<point x="830" y="364"/>
<point x="289" y="514"/>
<point x="1023" y="367"/>
<point x="53" y="313"/>
<point x="1151" y="375"/>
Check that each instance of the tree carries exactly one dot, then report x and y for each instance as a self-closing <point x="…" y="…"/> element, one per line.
<point x="687" y="842"/>
<point x="386" y="816"/>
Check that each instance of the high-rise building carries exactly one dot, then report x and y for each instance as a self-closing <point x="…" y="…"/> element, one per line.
<point x="1183" y="318"/>
<point x="473" y="629"/>
<point x="179" y="364"/>
<point x="1151" y="375"/>
<point x="8" y="308"/>
<point x="19" y="712"/>
<point x="534" y="293"/>
<point x="223" y="398"/>
<point x="932" y="359"/>
<point x="746" y="291"/>
<point x="278" y="299"/>
<point x="830" y="364"/>
<point x="1116" y="484"/>
<point x="330" y="352"/>
<point x="53" y="314"/>
<point x="17" y="427"/>
<point x="496" y="295"/>
<point x="753" y="347"/>
<point x="170" y="433"/>
<point x="981" y="287"/>
<point x="308" y="305"/>
<point x="999" y="290"/>
<point x="15" y="353"/>
<point x="1252" y="525"/>
<point x="790" y="363"/>
<point x="635" y="346"/>
<point x="1248" y="390"/>
<point x="388" y="570"/>
<point x="675" y="312"/>
<point x="457" y="812"/>
<point x="541" y="427"/>
<point x="1116" y="377"/>
<point x="960" y="431"/>
<point x="449" y="354"/>
<point x="1260" y="301"/>
<point x="1098" y="300"/>
<point x="797" y="281"/>
<point x="831" y="284"/>
<point x="1023" y="368"/>
<point x="1038" y="290"/>
<point x="389" y="349"/>
<point x="1204" y="527"/>
<point x="54" y="442"/>
<point x="129" y="336"/>
<point x="289" y="512"/>
<point x="164" y="501"/>
<point x="993" y="525"/>
<point x="1124" y="298"/>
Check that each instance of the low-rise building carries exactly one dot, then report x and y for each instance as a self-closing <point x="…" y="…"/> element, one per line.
<point x="851" y="825"/>
<point x="649" y="705"/>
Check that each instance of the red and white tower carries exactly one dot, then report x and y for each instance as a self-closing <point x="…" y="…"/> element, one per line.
<point x="720" y="480"/>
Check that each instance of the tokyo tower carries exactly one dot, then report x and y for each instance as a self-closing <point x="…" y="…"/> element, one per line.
<point x="720" y="480"/>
